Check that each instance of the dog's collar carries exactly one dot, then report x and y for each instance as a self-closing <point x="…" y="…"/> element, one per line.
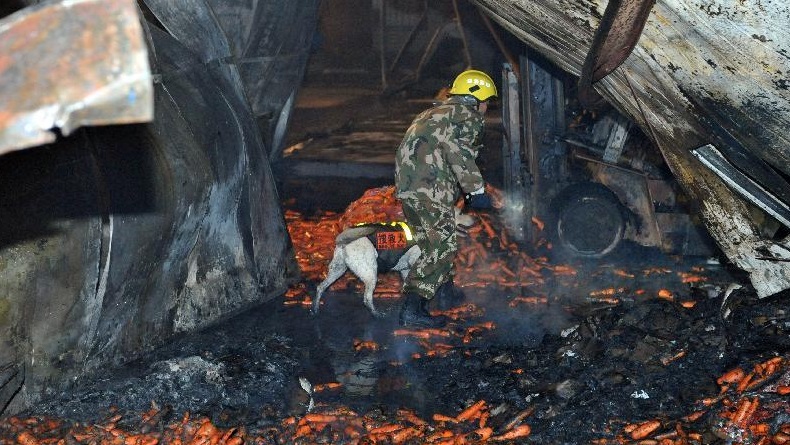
<point x="401" y="224"/>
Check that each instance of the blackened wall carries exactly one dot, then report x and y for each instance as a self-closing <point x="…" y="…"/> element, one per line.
<point x="115" y="239"/>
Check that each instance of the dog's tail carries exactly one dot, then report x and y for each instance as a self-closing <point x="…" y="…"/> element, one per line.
<point x="353" y="234"/>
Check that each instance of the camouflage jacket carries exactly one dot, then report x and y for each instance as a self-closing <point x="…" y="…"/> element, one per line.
<point x="436" y="159"/>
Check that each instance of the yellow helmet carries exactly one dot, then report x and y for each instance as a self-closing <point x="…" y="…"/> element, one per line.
<point x="475" y="83"/>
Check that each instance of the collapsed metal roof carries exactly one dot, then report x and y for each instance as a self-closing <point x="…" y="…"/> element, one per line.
<point x="691" y="74"/>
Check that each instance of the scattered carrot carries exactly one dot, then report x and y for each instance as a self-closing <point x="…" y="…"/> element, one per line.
<point x="667" y="360"/>
<point x="488" y="229"/>
<point x="644" y="429"/>
<point x="515" y="433"/>
<point x="302" y="430"/>
<point x="441" y="434"/>
<point x="740" y="416"/>
<point x="317" y="417"/>
<point x="326" y="386"/>
<point x="483" y="433"/>
<point x="442" y="418"/>
<point x="731" y="376"/>
<point x="471" y="412"/>
<point x="412" y="333"/>
<point x="386" y="429"/>
<point x="404" y="434"/>
<point x="744" y="382"/>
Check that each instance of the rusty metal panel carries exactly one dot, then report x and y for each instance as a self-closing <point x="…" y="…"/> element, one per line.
<point x="615" y="37"/>
<point x="69" y="64"/>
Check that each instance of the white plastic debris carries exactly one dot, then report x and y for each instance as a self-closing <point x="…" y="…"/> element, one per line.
<point x="568" y="331"/>
<point x="308" y="388"/>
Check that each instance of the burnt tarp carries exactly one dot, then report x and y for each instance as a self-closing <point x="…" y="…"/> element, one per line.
<point x="115" y="239"/>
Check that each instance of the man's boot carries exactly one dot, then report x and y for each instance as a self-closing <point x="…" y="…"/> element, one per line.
<point x="414" y="312"/>
<point x="448" y="296"/>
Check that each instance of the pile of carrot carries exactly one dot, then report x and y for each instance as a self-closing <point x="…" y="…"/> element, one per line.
<point x="470" y="426"/>
<point x="487" y="256"/>
<point x="145" y="431"/>
<point x="327" y="425"/>
<point x="376" y="205"/>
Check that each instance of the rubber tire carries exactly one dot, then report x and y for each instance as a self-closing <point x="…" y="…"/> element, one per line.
<point x="585" y="210"/>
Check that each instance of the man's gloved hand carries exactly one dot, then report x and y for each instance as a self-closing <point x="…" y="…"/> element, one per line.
<point x="480" y="201"/>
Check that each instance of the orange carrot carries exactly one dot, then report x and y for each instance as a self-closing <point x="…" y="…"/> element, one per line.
<point x="484" y="419"/>
<point x="471" y="412"/>
<point x="483" y="433"/>
<point x="408" y="332"/>
<point x="750" y="413"/>
<point x="303" y="430"/>
<point x="693" y="417"/>
<point x="488" y="229"/>
<point x="386" y="429"/>
<point x="442" y="434"/>
<point x="26" y="438"/>
<point x="404" y="434"/>
<point x="644" y="429"/>
<point x="760" y="429"/>
<point x="318" y="417"/>
<point x="740" y="414"/>
<point x="519" y="431"/>
<point x="731" y="376"/>
<point x="783" y="390"/>
<point x="744" y="383"/>
<point x="442" y="418"/>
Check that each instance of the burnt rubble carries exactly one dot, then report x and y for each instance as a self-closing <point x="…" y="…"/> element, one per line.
<point x="561" y="360"/>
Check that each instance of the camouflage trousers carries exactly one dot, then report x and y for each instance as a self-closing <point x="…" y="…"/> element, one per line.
<point x="433" y="227"/>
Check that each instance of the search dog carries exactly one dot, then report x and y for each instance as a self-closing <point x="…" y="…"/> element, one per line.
<point x="355" y="250"/>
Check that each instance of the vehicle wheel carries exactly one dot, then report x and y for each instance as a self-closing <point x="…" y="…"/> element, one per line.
<point x="590" y="222"/>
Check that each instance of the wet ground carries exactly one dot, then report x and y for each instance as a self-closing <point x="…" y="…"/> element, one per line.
<point x="577" y="352"/>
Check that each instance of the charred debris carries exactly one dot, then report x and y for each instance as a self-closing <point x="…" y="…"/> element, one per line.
<point x="640" y="348"/>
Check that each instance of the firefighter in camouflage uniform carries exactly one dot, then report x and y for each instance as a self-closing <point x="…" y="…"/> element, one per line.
<point x="434" y="165"/>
